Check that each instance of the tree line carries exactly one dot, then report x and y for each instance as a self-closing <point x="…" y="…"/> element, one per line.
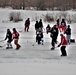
<point x="39" y="4"/>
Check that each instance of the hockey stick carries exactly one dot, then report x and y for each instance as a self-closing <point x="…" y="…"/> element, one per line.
<point x="3" y="45"/>
<point x="33" y="43"/>
<point x="21" y="31"/>
<point x="54" y="48"/>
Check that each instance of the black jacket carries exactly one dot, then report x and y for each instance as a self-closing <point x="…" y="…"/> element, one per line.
<point x="36" y="25"/>
<point x="54" y="32"/>
<point x="68" y="31"/>
<point x="8" y="36"/>
<point x="40" y="24"/>
<point x="27" y="22"/>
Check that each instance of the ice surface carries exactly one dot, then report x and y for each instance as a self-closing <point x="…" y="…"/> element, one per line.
<point x="37" y="59"/>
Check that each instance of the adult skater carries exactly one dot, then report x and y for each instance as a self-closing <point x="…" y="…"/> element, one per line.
<point x="37" y="26"/>
<point x="40" y="25"/>
<point x="16" y="38"/>
<point x="27" y="24"/>
<point x="68" y="34"/>
<point x="63" y="44"/>
<point x="48" y="29"/>
<point x="9" y="37"/>
<point x="63" y="28"/>
<point x="63" y="21"/>
<point x="54" y="35"/>
<point x="58" y="22"/>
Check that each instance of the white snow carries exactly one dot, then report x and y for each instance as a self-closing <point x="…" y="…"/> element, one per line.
<point x="37" y="59"/>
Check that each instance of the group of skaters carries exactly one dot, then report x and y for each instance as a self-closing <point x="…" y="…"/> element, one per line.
<point x="54" y="32"/>
<point x="12" y="36"/>
<point x="65" y="40"/>
<point x="38" y="28"/>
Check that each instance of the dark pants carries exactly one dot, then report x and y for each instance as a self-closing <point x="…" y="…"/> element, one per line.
<point x="63" y="51"/>
<point x="53" y="42"/>
<point x="26" y="28"/>
<point x="38" y="39"/>
<point x="9" y="40"/>
<point x="9" y="43"/>
<point x="16" y="43"/>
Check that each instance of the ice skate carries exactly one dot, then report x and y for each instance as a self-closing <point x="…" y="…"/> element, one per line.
<point x="52" y="48"/>
<point x="7" y="47"/>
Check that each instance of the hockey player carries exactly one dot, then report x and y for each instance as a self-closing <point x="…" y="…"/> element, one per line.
<point x="16" y="38"/>
<point x="37" y="26"/>
<point x="54" y="35"/>
<point x="39" y="37"/>
<point x="27" y="24"/>
<point x="68" y="34"/>
<point x="63" y="21"/>
<point x="48" y="29"/>
<point x="9" y="37"/>
<point x="63" y="28"/>
<point x="63" y="44"/>
<point x="58" y="22"/>
<point x="40" y="25"/>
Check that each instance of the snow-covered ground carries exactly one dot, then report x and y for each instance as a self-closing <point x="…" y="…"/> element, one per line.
<point x="37" y="59"/>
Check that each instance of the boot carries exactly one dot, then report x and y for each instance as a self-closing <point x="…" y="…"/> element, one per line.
<point x="18" y="47"/>
<point x="52" y="48"/>
<point x="7" y="47"/>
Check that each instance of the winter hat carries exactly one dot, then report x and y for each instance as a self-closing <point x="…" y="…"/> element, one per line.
<point x="14" y="29"/>
<point x="68" y="25"/>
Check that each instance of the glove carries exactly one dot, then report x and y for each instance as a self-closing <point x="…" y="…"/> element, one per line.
<point x="58" y="45"/>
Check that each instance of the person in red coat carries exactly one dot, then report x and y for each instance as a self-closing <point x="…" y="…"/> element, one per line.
<point x="15" y="36"/>
<point x="63" y="45"/>
<point x="63" y="28"/>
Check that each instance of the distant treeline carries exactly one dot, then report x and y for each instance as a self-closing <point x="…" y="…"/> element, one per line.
<point x="39" y="4"/>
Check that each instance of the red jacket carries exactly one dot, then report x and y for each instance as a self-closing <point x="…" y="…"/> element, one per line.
<point x="15" y="35"/>
<point x="63" y="28"/>
<point x="63" y="40"/>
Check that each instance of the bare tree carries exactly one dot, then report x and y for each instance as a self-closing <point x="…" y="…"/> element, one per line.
<point x="40" y="4"/>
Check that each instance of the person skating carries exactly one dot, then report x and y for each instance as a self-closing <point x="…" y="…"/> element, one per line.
<point x="9" y="37"/>
<point x="68" y="34"/>
<point x="16" y="38"/>
<point x="37" y="26"/>
<point x="63" y="44"/>
<point x="63" y="28"/>
<point x="39" y="37"/>
<point x="40" y="25"/>
<point x="63" y="21"/>
<point x="58" y="22"/>
<point x="48" y="29"/>
<point x="54" y="35"/>
<point x="27" y="24"/>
